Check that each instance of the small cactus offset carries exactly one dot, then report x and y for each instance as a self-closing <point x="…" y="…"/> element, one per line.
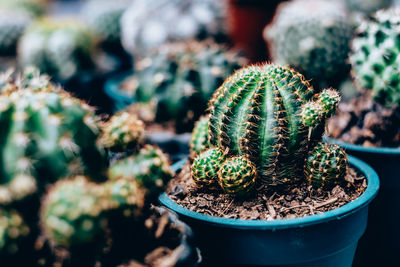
<point x="326" y="166"/>
<point x="375" y="56"/>
<point x="71" y="213"/>
<point x="181" y="77"/>
<point x="46" y="135"/>
<point x="123" y="131"/>
<point x="237" y="176"/>
<point x="149" y="167"/>
<point x="60" y="48"/>
<point x="199" y="140"/>
<point x="312" y="36"/>
<point x="205" y="167"/>
<point x="260" y="125"/>
<point x="13" y="231"/>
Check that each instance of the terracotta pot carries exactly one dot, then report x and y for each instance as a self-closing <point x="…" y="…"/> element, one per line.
<point x="246" y="21"/>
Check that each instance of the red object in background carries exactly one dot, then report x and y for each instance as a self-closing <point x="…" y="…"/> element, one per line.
<point x="246" y="22"/>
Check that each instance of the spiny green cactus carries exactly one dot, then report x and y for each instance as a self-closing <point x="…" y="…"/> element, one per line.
<point x="326" y="166"/>
<point x="12" y="25"/>
<point x="367" y="6"/>
<point x="150" y="167"/>
<point x="205" y="167"/>
<point x="13" y="230"/>
<point x="148" y="24"/>
<point x="123" y="131"/>
<point x="71" y="213"/>
<point x="104" y="16"/>
<point x="237" y="176"/>
<point x="46" y="135"/>
<point x="76" y="211"/>
<point x="375" y="56"/>
<point x="258" y="115"/>
<point x="181" y="78"/>
<point x="312" y="36"/>
<point x="60" y="48"/>
<point x="199" y="140"/>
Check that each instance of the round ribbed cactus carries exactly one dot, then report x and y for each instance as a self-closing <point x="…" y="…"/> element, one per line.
<point x="13" y="230"/>
<point x="149" y="167"/>
<point x="104" y="16"/>
<point x="264" y="115"/>
<point x="46" y="135"/>
<point x="326" y="166"/>
<point x="60" y="48"/>
<point x="149" y="24"/>
<point x="367" y="6"/>
<point x="237" y="176"/>
<point x="123" y="131"/>
<point x="312" y="36"/>
<point x="12" y="25"/>
<point x="205" y="167"/>
<point x="71" y="213"/>
<point x="375" y="56"/>
<point x="199" y="140"/>
<point x="181" y="78"/>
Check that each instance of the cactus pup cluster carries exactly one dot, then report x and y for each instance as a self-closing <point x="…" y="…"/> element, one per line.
<point x="264" y="120"/>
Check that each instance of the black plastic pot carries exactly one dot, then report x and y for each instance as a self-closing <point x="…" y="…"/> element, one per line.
<point x="380" y="245"/>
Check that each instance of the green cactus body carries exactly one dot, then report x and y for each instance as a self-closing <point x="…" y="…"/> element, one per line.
<point x="312" y="36"/>
<point x="367" y="6"/>
<point x="326" y="166"/>
<point x="205" y="167"/>
<point x="237" y="176"/>
<point x="150" y="168"/>
<point x="257" y="113"/>
<point x="46" y="134"/>
<point x="13" y="230"/>
<point x="181" y="78"/>
<point x="71" y="213"/>
<point x="375" y="56"/>
<point x="199" y="140"/>
<point x="123" y="131"/>
<point x="60" y="48"/>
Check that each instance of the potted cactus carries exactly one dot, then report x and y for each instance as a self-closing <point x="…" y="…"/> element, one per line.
<point x="54" y="170"/>
<point x="368" y="126"/>
<point x="314" y="37"/>
<point x="265" y="142"/>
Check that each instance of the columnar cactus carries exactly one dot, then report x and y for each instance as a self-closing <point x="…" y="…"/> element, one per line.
<point x="123" y="131"/>
<point x="46" y="135"/>
<point x="259" y="115"/>
<point x="60" y="48"/>
<point x="181" y="78"/>
<point x="199" y="140"/>
<point x="149" y="167"/>
<point x="13" y="230"/>
<point x="375" y="56"/>
<point x="149" y="24"/>
<point x="326" y="166"/>
<point x="312" y="36"/>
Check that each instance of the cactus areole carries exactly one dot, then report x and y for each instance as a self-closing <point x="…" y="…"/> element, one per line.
<point x="268" y="115"/>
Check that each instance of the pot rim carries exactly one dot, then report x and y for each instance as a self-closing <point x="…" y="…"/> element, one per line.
<point x="391" y="151"/>
<point x="336" y="214"/>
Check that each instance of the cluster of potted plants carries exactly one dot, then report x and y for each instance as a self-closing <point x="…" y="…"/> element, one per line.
<point x="276" y="163"/>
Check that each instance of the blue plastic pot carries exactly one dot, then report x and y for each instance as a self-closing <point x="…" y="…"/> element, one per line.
<point x="328" y="239"/>
<point x="120" y="99"/>
<point x="380" y="245"/>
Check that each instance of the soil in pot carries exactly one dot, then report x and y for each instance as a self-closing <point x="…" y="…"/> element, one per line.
<point x="362" y="121"/>
<point x="292" y="202"/>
